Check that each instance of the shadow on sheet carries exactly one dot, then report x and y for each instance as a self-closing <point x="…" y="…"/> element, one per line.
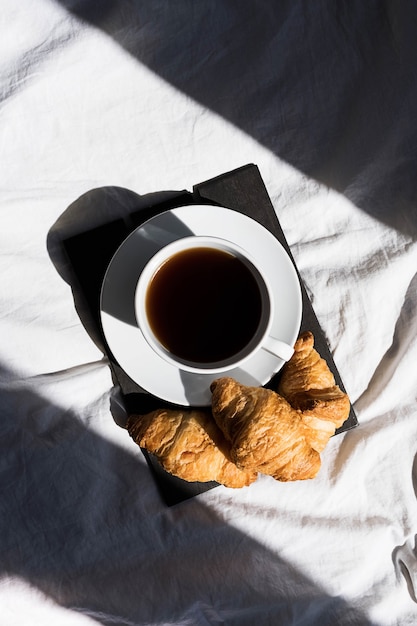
<point x="80" y="520"/>
<point x="328" y="87"/>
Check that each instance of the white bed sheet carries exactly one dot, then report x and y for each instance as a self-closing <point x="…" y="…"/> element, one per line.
<point x="158" y="95"/>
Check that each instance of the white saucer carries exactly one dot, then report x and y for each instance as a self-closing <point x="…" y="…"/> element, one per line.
<point x="117" y="303"/>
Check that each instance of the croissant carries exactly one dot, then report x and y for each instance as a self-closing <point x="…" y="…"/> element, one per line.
<point x="189" y="445"/>
<point x="309" y="386"/>
<point x="282" y="434"/>
<point x="265" y="433"/>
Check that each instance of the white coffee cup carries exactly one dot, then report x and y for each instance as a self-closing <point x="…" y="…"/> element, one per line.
<point x="173" y="283"/>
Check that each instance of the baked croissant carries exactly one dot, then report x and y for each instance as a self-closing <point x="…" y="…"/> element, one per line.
<point x="309" y="386"/>
<point x="282" y="434"/>
<point x="189" y="445"/>
<point x="265" y="433"/>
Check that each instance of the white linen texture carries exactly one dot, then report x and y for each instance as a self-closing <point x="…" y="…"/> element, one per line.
<point x="148" y="96"/>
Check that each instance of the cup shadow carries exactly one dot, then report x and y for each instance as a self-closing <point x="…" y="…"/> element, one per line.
<point x="118" y="297"/>
<point x="84" y="239"/>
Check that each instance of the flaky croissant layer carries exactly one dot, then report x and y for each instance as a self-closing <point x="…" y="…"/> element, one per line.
<point x="309" y="386"/>
<point x="282" y="433"/>
<point x="188" y="445"/>
<point x="265" y="433"/>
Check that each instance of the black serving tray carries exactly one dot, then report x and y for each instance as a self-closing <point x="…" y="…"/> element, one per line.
<point x="90" y="251"/>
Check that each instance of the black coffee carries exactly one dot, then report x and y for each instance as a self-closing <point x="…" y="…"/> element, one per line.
<point x="203" y="305"/>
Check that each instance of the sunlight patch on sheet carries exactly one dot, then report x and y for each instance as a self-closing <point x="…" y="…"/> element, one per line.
<point x="23" y="604"/>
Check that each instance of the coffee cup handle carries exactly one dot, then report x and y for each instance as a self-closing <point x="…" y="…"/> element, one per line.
<point x="279" y="348"/>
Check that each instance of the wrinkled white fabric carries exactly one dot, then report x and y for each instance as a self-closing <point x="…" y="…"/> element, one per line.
<point x="155" y="96"/>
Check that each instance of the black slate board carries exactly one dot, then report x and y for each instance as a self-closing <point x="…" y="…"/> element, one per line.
<point x="90" y="252"/>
